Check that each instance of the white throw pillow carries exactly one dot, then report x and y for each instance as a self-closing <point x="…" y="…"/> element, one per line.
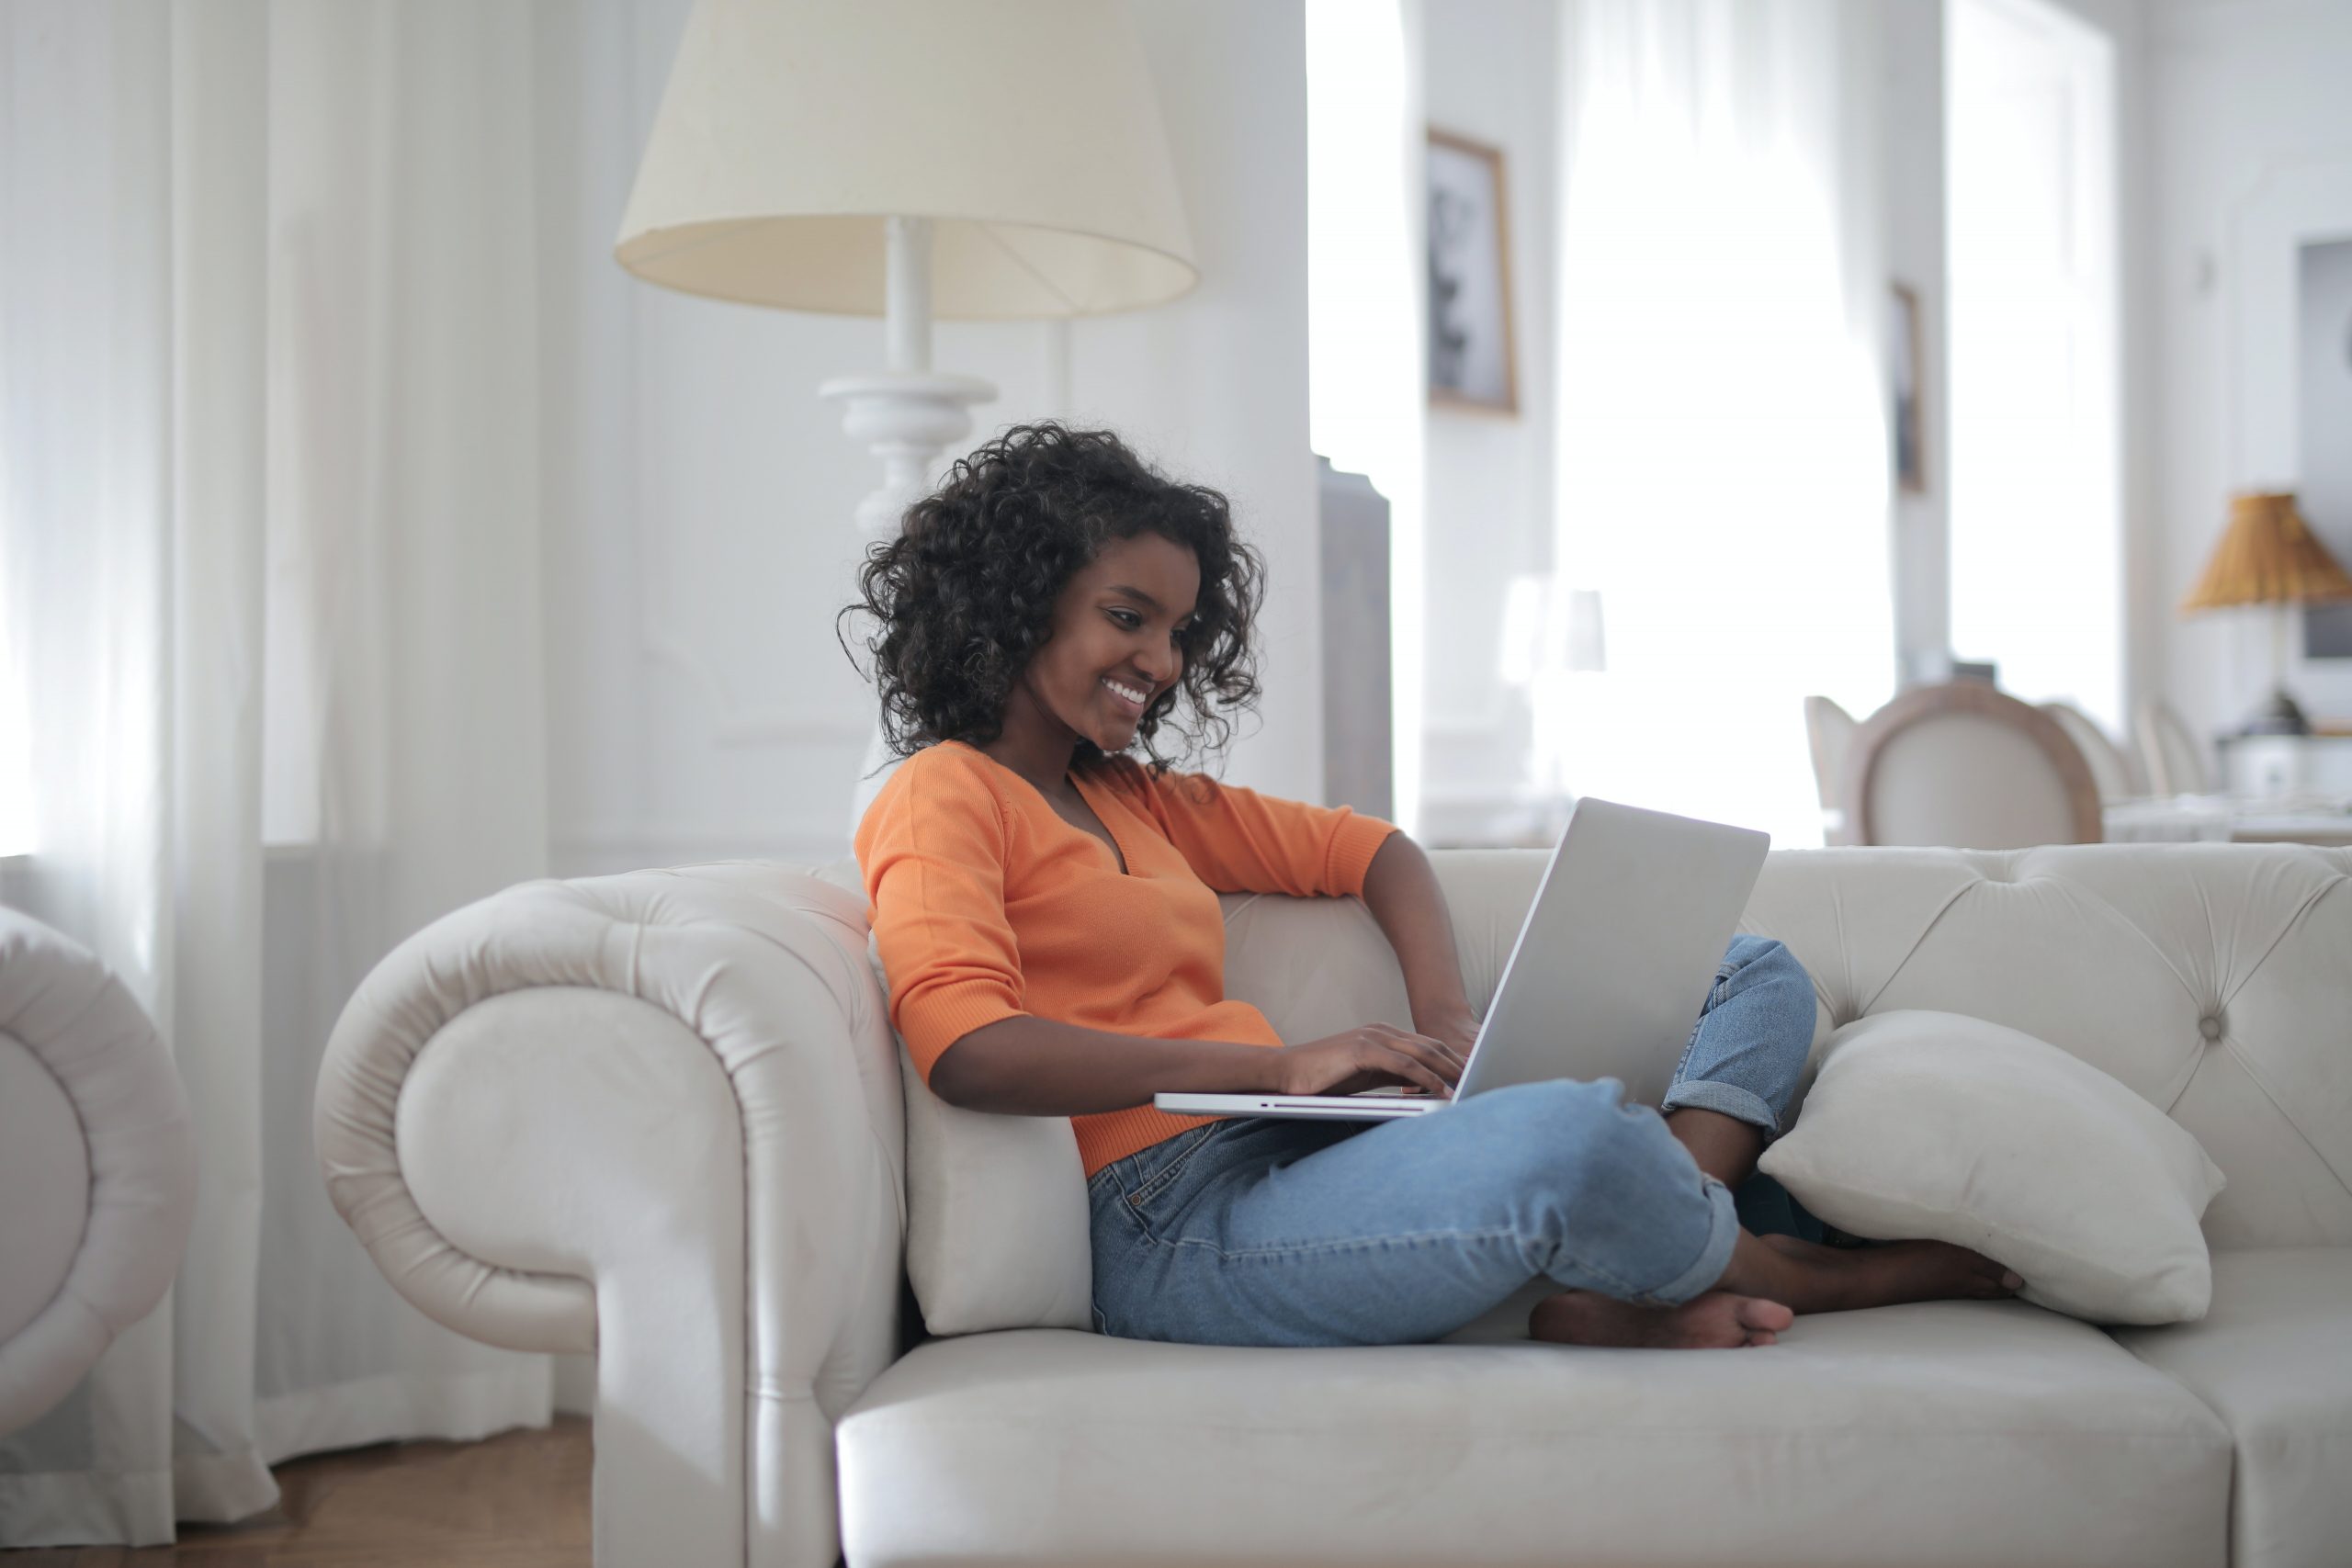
<point x="998" y="1233"/>
<point x="1938" y="1125"/>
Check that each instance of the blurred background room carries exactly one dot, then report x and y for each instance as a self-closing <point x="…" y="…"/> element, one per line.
<point x="1913" y="421"/>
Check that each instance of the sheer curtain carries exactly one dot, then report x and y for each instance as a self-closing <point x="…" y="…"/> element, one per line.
<point x="270" y="639"/>
<point x="1722" y="444"/>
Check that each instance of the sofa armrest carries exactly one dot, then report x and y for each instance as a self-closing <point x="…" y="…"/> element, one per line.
<point x="97" y="1165"/>
<point x="657" y="1115"/>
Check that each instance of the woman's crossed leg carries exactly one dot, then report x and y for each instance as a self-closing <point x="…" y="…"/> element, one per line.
<point x="1259" y="1231"/>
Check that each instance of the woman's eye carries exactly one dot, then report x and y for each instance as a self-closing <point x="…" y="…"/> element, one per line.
<point x="1130" y="621"/>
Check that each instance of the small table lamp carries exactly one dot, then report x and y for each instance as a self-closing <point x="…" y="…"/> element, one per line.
<point x="2269" y="556"/>
<point x="907" y="158"/>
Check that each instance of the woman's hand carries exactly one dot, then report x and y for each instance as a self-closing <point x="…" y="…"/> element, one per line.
<point x="1453" y="1028"/>
<point x="1370" y="1058"/>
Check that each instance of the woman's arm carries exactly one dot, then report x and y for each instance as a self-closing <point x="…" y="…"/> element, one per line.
<point x="1034" y="1066"/>
<point x="1401" y="891"/>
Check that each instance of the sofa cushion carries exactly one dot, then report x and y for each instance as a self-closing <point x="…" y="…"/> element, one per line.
<point x="997" y="1231"/>
<point x="2273" y="1356"/>
<point x="1928" y="1124"/>
<point x="997" y="1226"/>
<point x="1975" y="1433"/>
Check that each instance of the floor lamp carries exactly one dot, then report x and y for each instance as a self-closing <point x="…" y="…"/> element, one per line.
<point x="914" y="160"/>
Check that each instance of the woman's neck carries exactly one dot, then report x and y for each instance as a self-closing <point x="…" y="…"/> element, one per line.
<point x="1035" y="746"/>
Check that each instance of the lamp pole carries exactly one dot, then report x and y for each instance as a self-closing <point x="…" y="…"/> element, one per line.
<point x="907" y="413"/>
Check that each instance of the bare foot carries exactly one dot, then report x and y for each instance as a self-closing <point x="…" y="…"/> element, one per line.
<point x="1717" y="1320"/>
<point x="1813" y="1278"/>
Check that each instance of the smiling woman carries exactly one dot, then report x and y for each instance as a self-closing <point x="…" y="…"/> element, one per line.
<point x="1044" y="910"/>
<point x="1052" y="601"/>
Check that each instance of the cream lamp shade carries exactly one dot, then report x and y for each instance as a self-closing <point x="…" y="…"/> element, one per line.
<point x="1026" y="131"/>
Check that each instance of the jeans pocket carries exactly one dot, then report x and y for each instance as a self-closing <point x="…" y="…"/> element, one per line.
<point x="1180" y="1151"/>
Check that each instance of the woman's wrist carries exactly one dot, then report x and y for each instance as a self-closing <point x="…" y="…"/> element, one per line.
<point x="1429" y="1017"/>
<point x="1221" y="1067"/>
<point x="1260" y="1069"/>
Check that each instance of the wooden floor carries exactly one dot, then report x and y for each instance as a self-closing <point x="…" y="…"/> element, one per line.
<point x="518" y="1500"/>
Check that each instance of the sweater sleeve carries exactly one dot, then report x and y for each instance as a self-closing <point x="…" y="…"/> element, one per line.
<point x="1237" y="841"/>
<point x="932" y="849"/>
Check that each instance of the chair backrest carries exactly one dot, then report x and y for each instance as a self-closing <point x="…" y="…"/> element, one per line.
<point x="1828" y="730"/>
<point x="2176" y="764"/>
<point x="2109" y="766"/>
<point x="1967" y="766"/>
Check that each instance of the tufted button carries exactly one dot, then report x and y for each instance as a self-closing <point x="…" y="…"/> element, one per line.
<point x="2209" y="1027"/>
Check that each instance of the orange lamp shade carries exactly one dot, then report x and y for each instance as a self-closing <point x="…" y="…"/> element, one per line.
<point x="2268" y="556"/>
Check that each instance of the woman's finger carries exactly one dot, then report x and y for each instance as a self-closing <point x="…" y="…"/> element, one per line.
<point x="1439" y="1055"/>
<point x="1413" y="1070"/>
<point x="1443" y="1050"/>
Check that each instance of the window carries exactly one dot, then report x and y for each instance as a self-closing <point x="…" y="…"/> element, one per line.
<point x="2036" y="564"/>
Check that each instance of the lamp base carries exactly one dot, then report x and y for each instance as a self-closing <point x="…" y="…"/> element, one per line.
<point x="2278" y="716"/>
<point x="906" y="418"/>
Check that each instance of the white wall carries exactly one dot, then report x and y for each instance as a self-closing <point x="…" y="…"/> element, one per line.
<point x="1490" y="71"/>
<point x="2215" y="100"/>
<point x="2248" y="97"/>
<point x="699" y="537"/>
<point x="1911" y="106"/>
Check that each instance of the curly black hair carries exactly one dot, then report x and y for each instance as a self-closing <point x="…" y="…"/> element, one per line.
<point x="966" y="592"/>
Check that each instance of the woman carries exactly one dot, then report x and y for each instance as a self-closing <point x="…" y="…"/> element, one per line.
<point x="1044" y="905"/>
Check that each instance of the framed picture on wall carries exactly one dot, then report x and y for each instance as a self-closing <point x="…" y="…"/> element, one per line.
<point x="2324" y="411"/>
<point x="1904" y="427"/>
<point x="1471" y="362"/>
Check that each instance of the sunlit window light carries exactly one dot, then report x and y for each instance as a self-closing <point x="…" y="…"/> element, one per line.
<point x="1365" y="388"/>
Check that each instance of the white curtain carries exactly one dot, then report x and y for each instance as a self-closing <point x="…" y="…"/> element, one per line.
<point x="1724" y="480"/>
<point x="269" y="647"/>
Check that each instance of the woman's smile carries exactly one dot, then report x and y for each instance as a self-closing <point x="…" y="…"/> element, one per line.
<point x="1130" y="700"/>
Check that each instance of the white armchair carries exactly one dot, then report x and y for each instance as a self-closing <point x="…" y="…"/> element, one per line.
<point x="97" y="1166"/>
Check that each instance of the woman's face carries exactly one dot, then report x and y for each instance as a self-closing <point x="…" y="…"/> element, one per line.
<point x="1115" y="626"/>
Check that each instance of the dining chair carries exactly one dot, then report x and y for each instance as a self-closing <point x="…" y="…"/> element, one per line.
<point x="2174" y="762"/>
<point x="2110" y="766"/>
<point x="1966" y="765"/>
<point x="1828" y="730"/>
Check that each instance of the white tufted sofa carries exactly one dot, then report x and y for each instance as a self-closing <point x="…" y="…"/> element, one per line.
<point x="97" y="1166"/>
<point x="659" y="1115"/>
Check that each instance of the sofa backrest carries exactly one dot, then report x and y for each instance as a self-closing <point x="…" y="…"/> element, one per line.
<point x="2215" y="980"/>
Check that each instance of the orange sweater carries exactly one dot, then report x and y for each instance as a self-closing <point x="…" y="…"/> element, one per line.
<point x="988" y="905"/>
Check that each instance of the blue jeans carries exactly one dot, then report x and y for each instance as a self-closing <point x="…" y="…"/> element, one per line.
<point x="1254" y="1230"/>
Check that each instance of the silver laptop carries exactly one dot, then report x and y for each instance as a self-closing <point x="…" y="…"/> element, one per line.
<point x="1607" y="977"/>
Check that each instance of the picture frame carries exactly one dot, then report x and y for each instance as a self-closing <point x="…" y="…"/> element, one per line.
<point x="1906" y="428"/>
<point x="2324" y="465"/>
<point x="1472" y="356"/>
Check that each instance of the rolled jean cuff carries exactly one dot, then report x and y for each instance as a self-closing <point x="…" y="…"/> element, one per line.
<point x="1722" y="1236"/>
<point x="1706" y="1094"/>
